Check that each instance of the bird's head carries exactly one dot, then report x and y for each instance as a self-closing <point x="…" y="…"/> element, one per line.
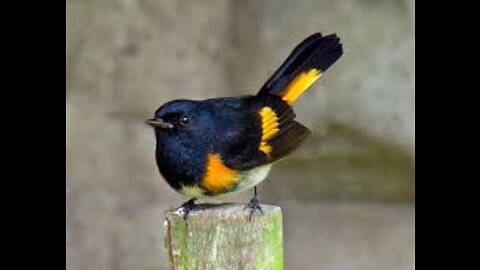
<point x="185" y="118"/>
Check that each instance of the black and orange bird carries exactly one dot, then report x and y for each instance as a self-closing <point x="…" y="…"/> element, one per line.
<point x="226" y="145"/>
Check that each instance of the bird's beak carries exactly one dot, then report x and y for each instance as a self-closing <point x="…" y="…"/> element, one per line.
<point x="158" y="123"/>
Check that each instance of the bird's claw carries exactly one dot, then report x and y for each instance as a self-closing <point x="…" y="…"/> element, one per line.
<point x="253" y="205"/>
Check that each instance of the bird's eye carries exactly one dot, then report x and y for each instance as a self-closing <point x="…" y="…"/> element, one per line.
<point x="184" y="120"/>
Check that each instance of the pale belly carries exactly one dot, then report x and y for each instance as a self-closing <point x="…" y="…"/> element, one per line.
<point x="246" y="180"/>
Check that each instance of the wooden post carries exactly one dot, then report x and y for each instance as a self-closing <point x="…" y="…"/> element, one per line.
<point x="222" y="237"/>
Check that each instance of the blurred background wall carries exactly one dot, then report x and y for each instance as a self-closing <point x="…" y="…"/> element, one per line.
<point x="347" y="195"/>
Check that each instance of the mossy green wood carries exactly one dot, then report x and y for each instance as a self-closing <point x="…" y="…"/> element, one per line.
<point x="223" y="237"/>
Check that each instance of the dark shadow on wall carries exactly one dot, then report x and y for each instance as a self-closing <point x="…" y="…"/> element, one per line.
<point x="345" y="164"/>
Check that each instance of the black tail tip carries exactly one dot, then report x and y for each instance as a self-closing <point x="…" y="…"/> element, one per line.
<point x="328" y="51"/>
<point x="319" y="36"/>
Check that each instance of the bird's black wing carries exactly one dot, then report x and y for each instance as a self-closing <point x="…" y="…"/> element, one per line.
<point x="258" y="131"/>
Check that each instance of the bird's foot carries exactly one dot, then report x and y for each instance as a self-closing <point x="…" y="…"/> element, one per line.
<point x="188" y="207"/>
<point x="253" y="205"/>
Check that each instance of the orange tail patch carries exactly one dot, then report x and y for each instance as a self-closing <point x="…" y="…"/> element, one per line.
<point x="299" y="84"/>
<point x="218" y="177"/>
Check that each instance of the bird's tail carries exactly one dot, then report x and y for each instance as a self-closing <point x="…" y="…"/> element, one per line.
<point x="307" y="62"/>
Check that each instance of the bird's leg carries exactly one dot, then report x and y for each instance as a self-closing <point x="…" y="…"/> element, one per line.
<point x="254" y="205"/>
<point x="188" y="206"/>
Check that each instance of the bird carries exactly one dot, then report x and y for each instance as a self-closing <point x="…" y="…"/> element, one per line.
<point x="220" y="146"/>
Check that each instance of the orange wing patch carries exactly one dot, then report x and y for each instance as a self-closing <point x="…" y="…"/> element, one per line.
<point x="218" y="177"/>
<point x="299" y="84"/>
<point x="269" y="128"/>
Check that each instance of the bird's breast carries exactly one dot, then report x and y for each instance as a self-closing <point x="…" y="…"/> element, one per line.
<point x="223" y="184"/>
<point x="251" y="178"/>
